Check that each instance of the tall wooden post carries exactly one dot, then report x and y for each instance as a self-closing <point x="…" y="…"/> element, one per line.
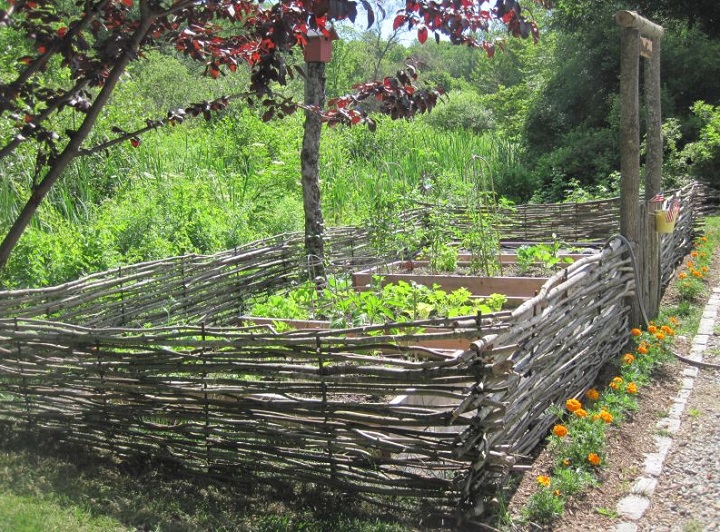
<point x="636" y="223"/>
<point x="653" y="174"/>
<point x="630" y="150"/>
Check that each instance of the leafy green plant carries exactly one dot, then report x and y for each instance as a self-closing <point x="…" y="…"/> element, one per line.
<point x="545" y="256"/>
<point x="392" y="302"/>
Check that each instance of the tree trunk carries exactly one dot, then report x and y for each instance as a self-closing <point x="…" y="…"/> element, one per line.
<point x="310" y="162"/>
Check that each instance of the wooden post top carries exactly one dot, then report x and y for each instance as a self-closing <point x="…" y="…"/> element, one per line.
<point x="630" y="19"/>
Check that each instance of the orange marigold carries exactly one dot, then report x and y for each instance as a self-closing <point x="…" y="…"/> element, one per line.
<point x="605" y="416"/>
<point x="573" y="404"/>
<point x="581" y="412"/>
<point x="703" y="238"/>
<point x="690" y="264"/>
<point x="628" y="358"/>
<point x="642" y="349"/>
<point x="592" y="394"/>
<point x="682" y="275"/>
<point x="635" y="332"/>
<point x="560" y="431"/>
<point x="704" y="269"/>
<point x="674" y="321"/>
<point x="543" y="480"/>
<point x="652" y="329"/>
<point x="566" y="462"/>
<point x="556" y="493"/>
<point x="631" y="388"/>
<point x="694" y="254"/>
<point x="660" y="336"/>
<point x="593" y="459"/>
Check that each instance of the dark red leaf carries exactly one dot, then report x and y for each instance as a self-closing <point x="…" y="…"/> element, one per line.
<point x="422" y="34"/>
<point x="399" y="21"/>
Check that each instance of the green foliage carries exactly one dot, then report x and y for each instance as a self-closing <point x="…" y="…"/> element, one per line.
<point x="704" y="154"/>
<point x="545" y="256"/>
<point x="463" y="110"/>
<point x="398" y="302"/>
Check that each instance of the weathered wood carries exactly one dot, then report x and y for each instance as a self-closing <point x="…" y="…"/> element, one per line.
<point x="630" y="222"/>
<point x="631" y="20"/>
<point x="653" y="177"/>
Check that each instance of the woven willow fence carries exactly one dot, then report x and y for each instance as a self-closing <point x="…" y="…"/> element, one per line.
<point x="145" y="360"/>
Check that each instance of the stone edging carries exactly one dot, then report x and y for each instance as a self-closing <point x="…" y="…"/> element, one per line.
<point x="633" y="506"/>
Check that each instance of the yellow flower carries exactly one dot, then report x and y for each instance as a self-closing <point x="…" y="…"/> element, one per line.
<point x="556" y="493"/>
<point x="642" y="349"/>
<point x="543" y="480"/>
<point x="617" y="380"/>
<point x="560" y="430"/>
<point x="593" y="459"/>
<point x="572" y="405"/>
<point x="566" y="462"/>
<point x="652" y="329"/>
<point x="605" y="416"/>
<point x="628" y="358"/>
<point x="616" y="383"/>
<point x="674" y="321"/>
<point x="660" y="336"/>
<point x="635" y="332"/>
<point x="631" y="388"/>
<point x="682" y="275"/>
<point x="580" y="412"/>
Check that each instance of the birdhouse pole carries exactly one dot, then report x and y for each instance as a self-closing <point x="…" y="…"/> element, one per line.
<point x="640" y="38"/>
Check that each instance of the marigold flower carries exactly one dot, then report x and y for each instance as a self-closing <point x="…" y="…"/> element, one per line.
<point x="697" y="274"/>
<point x="642" y="349"/>
<point x="652" y="329"/>
<point x="674" y="321"/>
<point x="617" y="380"/>
<point x="690" y="264"/>
<point x="543" y="480"/>
<point x="628" y="358"/>
<point x="631" y="388"/>
<point x="703" y="238"/>
<point x="704" y="269"/>
<point x="593" y="459"/>
<point x="573" y="404"/>
<point x="635" y="332"/>
<point x="605" y="416"/>
<point x="580" y="412"/>
<point x="660" y="336"/>
<point x="556" y="493"/>
<point x="616" y="383"/>
<point x="560" y="431"/>
<point x="566" y="462"/>
<point x="682" y="275"/>
<point x="694" y="254"/>
<point x="592" y="394"/>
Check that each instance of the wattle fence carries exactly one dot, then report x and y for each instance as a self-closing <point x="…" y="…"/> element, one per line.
<point x="149" y="359"/>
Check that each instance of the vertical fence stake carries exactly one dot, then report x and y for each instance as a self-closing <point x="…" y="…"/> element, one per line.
<point x="206" y="406"/>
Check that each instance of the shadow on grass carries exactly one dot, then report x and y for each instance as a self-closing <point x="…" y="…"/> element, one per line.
<point x="146" y="494"/>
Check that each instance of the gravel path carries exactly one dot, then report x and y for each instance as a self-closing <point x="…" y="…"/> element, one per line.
<point x="686" y="496"/>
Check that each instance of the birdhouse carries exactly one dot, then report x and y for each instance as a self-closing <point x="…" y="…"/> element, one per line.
<point x="319" y="47"/>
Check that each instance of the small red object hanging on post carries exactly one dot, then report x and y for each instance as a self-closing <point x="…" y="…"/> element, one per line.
<point x="319" y="47"/>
